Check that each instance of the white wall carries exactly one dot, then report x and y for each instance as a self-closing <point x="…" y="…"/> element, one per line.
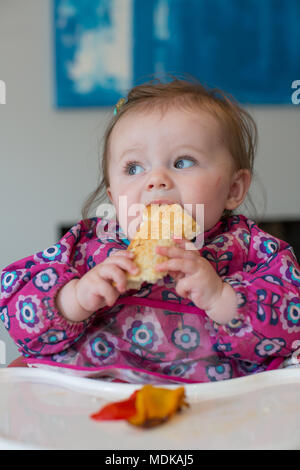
<point x="49" y="158"/>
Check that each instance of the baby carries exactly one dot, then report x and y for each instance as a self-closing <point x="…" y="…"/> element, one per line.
<point x="227" y="310"/>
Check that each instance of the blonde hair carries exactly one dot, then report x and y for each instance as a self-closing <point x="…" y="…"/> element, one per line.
<point x="239" y="128"/>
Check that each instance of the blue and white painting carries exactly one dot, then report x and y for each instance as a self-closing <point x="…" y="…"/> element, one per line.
<point x="249" y="48"/>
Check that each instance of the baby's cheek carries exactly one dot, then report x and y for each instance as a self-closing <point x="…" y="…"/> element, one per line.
<point x="208" y="189"/>
<point x="221" y="186"/>
<point x="219" y="181"/>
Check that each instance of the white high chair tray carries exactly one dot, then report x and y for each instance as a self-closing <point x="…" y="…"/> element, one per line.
<point x="42" y="409"/>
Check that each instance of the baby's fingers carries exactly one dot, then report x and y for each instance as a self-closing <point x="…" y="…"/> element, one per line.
<point x="175" y="275"/>
<point x="113" y="273"/>
<point x="108" y="292"/>
<point x="122" y="262"/>
<point x="126" y="253"/>
<point x="186" y="266"/>
<point x="176" y="252"/>
<point x="183" y="288"/>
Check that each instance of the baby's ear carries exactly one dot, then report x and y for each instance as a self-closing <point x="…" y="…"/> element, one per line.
<point x="239" y="187"/>
<point x="108" y="191"/>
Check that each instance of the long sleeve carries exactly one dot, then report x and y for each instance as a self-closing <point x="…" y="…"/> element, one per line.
<point x="29" y="288"/>
<point x="267" y="282"/>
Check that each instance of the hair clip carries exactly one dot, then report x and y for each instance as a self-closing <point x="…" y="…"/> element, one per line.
<point x="119" y="105"/>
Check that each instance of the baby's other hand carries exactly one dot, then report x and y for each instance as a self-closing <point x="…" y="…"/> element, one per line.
<point x="195" y="277"/>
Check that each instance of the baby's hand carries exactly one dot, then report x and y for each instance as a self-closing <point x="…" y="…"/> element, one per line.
<point x="95" y="289"/>
<point x="196" y="278"/>
<point x="99" y="287"/>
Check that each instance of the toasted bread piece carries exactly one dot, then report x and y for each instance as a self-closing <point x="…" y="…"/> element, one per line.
<point x="160" y="223"/>
<point x="146" y="259"/>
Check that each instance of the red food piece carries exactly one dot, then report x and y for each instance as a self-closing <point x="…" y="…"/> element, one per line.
<point x="118" y="410"/>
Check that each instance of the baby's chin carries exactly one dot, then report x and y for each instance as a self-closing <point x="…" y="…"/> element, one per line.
<point x="211" y="222"/>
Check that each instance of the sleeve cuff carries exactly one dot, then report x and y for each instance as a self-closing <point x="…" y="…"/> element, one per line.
<point x="58" y="320"/>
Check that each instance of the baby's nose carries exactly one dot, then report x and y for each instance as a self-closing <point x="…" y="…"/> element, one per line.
<point x="159" y="180"/>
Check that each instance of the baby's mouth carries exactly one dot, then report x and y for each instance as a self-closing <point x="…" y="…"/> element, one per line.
<point x="161" y="202"/>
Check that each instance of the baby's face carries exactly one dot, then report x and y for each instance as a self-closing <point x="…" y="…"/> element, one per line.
<point x="175" y="157"/>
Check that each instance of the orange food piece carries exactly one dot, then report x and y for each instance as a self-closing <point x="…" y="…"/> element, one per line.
<point x="146" y="407"/>
<point x="156" y="405"/>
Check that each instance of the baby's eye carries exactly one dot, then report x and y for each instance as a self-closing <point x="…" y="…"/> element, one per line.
<point x="134" y="169"/>
<point x="184" y="163"/>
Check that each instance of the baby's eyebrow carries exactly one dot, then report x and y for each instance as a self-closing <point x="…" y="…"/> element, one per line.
<point x="189" y="147"/>
<point x="131" y="150"/>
